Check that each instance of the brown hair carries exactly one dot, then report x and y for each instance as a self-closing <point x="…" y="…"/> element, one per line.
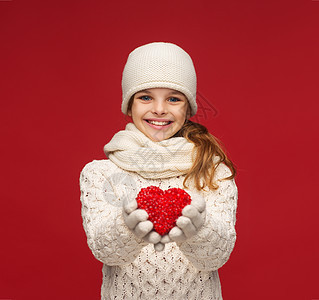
<point x="206" y="147"/>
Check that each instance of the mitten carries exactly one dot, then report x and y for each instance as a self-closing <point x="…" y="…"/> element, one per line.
<point x="192" y="219"/>
<point x="161" y="245"/>
<point x="136" y="220"/>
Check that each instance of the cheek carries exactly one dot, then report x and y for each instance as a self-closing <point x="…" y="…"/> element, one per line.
<point x="181" y="113"/>
<point x="134" y="112"/>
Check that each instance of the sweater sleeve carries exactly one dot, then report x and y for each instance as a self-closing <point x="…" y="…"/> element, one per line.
<point x="109" y="239"/>
<point x="211" y="247"/>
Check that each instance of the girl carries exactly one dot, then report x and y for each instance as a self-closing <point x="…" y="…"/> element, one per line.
<point x="160" y="151"/>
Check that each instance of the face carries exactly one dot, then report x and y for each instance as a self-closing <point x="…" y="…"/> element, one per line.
<point x="159" y="112"/>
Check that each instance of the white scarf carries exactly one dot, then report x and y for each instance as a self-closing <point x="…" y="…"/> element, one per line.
<point x="132" y="150"/>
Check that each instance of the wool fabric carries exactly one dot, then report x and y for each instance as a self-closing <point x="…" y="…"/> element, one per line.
<point x="132" y="269"/>
<point x="132" y="150"/>
<point x="159" y="65"/>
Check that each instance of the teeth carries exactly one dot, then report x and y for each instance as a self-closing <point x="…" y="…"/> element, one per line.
<point x="158" y="123"/>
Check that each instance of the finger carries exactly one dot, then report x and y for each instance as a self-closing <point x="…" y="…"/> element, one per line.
<point x="135" y="217"/>
<point x="187" y="226"/>
<point x="199" y="203"/>
<point x="196" y="218"/>
<point x="159" y="247"/>
<point x="129" y="205"/>
<point x="190" y="211"/>
<point x="153" y="237"/>
<point x="143" y="228"/>
<point x="177" y="235"/>
<point x="165" y="239"/>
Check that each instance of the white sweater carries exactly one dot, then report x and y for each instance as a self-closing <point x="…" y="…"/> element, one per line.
<point x="132" y="268"/>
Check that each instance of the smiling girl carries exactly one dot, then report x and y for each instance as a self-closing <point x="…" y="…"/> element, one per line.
<point x="161" y="154"/>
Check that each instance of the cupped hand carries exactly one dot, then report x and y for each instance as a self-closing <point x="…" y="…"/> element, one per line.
<point x="137" y="221"/>
<point x="192" y="219"/>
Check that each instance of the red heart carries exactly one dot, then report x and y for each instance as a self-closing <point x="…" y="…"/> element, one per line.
<point x="163" y="207"/>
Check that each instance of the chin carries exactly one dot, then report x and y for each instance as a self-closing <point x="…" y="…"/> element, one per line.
<point x="157" y="138"/>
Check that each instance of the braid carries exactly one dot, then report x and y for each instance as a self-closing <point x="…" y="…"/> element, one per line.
<point x="206" y="146"/>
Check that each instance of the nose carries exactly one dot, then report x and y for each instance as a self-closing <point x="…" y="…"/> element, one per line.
<point x="159" y="107"/>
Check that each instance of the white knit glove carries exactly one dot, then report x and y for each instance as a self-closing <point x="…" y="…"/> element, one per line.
<point x="161" y="245"/>
<point x="136" y="221"/>
<point x="192" y="219"/>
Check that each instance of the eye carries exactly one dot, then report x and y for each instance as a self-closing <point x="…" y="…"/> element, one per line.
<point x="174" y="99"/>
<point x="145" y="98"/>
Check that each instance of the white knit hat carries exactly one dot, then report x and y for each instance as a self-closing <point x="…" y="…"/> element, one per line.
<point x="157" y="65"/>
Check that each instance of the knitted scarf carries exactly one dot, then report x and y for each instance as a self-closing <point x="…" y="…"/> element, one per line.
<point x="132" y="150"/>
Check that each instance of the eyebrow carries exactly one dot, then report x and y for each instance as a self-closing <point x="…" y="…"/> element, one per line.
<point x="171" y="93"/>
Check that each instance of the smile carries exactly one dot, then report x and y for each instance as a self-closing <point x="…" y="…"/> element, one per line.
<point x="157" y="124"/>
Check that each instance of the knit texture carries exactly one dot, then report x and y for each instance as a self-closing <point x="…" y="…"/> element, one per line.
<point x="132" y="150"/>
<point x="132" y="268"/>
<point x="157" y="65"/>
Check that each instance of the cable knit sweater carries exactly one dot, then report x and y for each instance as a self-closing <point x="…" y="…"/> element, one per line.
<point x="132" y="269"/>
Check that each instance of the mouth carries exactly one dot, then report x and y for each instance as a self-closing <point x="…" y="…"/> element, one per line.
<point x="158" y="124"/>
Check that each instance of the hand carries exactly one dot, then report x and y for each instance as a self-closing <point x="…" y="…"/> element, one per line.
<point x="192" y="219"/>
<point x="136" y="220"/>
<point x="161" y="245"/>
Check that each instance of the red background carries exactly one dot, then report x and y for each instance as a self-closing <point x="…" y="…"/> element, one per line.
<point x="61" y="63"/>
